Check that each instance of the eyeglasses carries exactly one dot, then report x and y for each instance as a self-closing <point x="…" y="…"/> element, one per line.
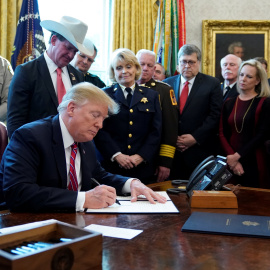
<point x="88" y="58"/>
<point x="185" y="62"/>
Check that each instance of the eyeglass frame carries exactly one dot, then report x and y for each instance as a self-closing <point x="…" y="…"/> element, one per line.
<point x="88" y="59"/>
<point x="189" y="62"/>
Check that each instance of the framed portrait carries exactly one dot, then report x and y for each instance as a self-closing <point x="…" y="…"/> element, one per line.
<point x="246" y="39"/>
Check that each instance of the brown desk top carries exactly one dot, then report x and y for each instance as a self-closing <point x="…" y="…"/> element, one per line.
<point x="162" y="245"/>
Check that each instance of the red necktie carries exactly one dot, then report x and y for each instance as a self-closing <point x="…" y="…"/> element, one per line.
<point x="61" y="91"/>
<point x="73" y="183"/>
<point x="183" y="96"/>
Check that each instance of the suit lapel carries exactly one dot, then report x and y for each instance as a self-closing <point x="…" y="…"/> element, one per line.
<point x="59" y="151"/>
<point x="72" y="77"/>
<point x="137" y="96"/>
<point x="85" y="167"/>
<point x="119" y="96"/>
<point x="46" y="77"/>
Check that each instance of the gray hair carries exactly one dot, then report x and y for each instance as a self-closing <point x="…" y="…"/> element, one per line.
<point x="83" y="92"/>
<point x="144" y="51"/>
<point x="239" y="60"/>
<point x="189" y="49"/>
<point x="124" y="55"/>
<point x="262" y="89"/>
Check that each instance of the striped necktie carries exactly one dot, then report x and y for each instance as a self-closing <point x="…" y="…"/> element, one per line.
<point x="73" y="183"/>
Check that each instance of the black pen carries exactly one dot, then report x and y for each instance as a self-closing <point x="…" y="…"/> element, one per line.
<point x="98" y="184"/>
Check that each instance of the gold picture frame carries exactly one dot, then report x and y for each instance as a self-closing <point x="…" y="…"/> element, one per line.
<point x="216" y="35"/>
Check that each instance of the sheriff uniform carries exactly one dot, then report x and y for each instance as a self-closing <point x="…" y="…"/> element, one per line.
<point x="6" y="74"/>
<point x="169" y="109"/>
<point x="136" y="129"/>
<point x="94" y="79"/>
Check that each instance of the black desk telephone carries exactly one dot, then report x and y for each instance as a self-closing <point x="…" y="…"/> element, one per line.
<point x="211" y="174"/>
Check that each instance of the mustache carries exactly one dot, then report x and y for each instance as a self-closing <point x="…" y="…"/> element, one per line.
<point x="228" y="71"/>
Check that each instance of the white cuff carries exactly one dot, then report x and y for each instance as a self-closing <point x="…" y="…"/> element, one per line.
<point x="115" y="155"/>
<point x="80" y="201"/>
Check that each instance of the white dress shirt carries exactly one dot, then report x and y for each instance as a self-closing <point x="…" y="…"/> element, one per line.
<point x="52" y="69"/>
<point x="68" y="141"/>
<point x="190" y="84"/>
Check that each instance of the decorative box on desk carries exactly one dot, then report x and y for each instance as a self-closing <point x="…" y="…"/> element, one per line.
<point x="213" y="199"/>
<point x="82" y="249"/>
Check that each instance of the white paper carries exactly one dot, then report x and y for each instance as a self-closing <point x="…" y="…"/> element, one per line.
<point x="137" y="207"/>
<point x="140" y="206"/>
<point x="27" y="226"/>
<point x="142" y="197"/>
<point x="114" y="232"/>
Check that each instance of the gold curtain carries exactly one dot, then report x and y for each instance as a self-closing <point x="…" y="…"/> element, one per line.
<point x="9" y="15"/>
<point x="134" y="24"/>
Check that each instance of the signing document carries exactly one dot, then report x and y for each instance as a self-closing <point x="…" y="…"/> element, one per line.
<point x="142" y="205"/>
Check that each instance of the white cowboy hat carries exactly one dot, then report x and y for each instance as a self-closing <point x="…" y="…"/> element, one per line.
<point x="88" y="44"/>
<point x="73" y="30"/>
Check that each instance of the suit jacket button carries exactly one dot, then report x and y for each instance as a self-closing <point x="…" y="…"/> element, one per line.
<point x="129" y="135"/>
<point x="131" y="110"/>
<point x="129" y="146"/>
<point x="131" y="123"/>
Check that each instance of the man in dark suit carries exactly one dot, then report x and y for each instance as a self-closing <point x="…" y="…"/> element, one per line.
<point x="34" y="92"/>
<point x="49" y="163"/>
<point x="200" y="102"/>
<point x="229" y="70"/>
<point x="169" y="111"/>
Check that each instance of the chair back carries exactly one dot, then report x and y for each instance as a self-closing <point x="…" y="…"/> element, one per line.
<point x="3" y="139"/>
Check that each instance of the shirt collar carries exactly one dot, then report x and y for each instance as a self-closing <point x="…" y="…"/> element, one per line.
<point x="183" y="80"/>
<point x="124" y="87"/>
<point x="67" y="138"/>
<point x="231" y="85"/>
<point x="52" y="66"/>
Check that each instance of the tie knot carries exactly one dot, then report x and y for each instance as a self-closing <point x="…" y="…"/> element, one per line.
<point x="186" y="83"/>
<point x="59" y="71"/>
<point x="128" y="90"/>
<point x="228" y="88"/>
<point x="74" y="146"/>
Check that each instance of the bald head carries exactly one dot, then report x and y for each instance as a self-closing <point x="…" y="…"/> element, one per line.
<point x="229" y="68"/>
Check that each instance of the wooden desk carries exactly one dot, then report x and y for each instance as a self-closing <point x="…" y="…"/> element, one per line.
<point x="162" y="245"/>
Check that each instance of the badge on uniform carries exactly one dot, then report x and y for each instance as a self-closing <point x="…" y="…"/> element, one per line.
<point x="72" y="77"/>
<point x="173" y="99"/>
<point x="144" y="100"/>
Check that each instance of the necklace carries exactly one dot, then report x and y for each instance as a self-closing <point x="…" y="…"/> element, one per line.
<point x="243" y="120"/>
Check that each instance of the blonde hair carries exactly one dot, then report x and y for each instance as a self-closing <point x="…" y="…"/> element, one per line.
<point x="262" y="89"/>
<point x="83" y="92"/>
<point x="126" y="56"/>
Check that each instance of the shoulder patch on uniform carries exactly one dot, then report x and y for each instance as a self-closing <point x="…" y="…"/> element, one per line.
<point x="173" y="99"/>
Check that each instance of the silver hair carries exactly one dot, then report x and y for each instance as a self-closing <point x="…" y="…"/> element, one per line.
<point x="83" y="92"/>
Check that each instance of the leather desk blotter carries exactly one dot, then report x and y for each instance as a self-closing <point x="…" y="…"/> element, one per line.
<point x="213" y="199"/>
<point x="228" y="224"/>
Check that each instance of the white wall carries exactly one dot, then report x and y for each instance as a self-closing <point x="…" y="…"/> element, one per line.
<point x="199" y="10"/>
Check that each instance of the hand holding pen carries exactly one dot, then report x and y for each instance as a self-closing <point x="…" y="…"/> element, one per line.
<point x="98" y="184"/>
